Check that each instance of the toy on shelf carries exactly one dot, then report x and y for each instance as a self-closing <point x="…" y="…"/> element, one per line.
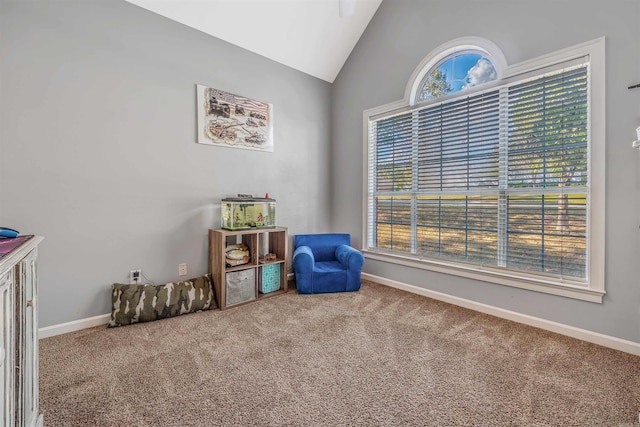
<point x="268" y="258"/>
<point x="237" y="255"/>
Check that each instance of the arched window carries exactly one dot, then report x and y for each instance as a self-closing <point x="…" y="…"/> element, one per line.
<point x="487" y="171"/>
<point x="455" y="66"/>
<point x="455" y="73"/>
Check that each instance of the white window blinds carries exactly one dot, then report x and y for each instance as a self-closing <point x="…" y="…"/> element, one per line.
<point x="497" y="178"/>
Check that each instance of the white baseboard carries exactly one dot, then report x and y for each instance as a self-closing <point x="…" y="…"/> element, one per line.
<point x="570" y="331"/>
<point x="89" y="322"/>
<point x="76" y="325"/>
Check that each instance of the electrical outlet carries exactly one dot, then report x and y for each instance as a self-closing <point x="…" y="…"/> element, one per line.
<point x="135" y="277"/>
<point x="182" y="269"/>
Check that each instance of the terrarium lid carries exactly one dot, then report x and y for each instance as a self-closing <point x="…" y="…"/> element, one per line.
<point x="247" y="198"/>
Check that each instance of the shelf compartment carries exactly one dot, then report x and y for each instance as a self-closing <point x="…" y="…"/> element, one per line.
<point x="269" y="278"/>
<point x="240" y="286"/>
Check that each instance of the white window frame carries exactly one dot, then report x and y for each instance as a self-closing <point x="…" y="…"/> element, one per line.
<point x="594" y="288"/>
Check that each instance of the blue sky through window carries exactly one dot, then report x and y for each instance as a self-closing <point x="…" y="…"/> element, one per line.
<point x="456" y="73"/>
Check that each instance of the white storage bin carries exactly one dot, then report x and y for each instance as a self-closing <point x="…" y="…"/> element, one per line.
<point x="241" y="286"/>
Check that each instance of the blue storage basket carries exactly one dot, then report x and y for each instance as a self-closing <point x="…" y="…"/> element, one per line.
<point x="270" y="280"/>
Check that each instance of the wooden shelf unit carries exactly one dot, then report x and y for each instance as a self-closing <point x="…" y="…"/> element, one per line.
<point x="259" y="241"/>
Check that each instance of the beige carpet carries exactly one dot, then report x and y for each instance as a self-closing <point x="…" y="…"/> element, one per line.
<point x="379" y="357"/>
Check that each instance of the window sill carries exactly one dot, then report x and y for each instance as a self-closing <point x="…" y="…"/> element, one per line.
<point x="486" y="275"/>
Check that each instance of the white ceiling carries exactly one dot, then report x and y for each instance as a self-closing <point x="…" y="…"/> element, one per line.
<point x="307" y="35"/>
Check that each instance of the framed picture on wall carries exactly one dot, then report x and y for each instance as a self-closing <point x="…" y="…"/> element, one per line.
<point x="229" y="120"/>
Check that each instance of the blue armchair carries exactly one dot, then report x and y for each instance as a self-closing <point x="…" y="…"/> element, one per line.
<point x="326" y="263"/>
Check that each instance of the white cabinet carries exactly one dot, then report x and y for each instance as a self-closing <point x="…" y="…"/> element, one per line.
<point x="19" y="334"/>
<point x="7" y="347"/>
<point x="29" y="334"/>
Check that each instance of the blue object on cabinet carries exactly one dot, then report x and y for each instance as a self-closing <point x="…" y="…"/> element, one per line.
<point x="8" y="232"/>
<point x="326" y="263"/>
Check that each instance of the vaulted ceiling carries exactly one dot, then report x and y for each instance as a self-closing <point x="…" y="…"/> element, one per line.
<point x="307" y="35"/>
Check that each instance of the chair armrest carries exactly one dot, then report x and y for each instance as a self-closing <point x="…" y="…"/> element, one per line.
<point x="303" y="258"/>
<point x="350" y="257"/>
<point x="303" y="265"/>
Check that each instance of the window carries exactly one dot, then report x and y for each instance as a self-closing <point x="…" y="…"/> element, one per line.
<point x="457" y="72"/>
<point x="491" y="176"/>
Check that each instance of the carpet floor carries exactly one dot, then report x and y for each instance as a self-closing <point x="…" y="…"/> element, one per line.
<point x="378" y="357"/>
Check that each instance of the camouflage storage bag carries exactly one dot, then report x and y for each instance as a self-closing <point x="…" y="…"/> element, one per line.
<point x="144" y="303"/>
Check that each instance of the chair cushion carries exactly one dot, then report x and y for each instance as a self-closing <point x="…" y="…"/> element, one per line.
<point x="329" y="276"/>
<point x="328" y="267"/>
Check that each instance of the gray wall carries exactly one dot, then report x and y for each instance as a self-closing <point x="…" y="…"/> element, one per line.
<point x="403" y="32"/>
<point x="98" y="154"/>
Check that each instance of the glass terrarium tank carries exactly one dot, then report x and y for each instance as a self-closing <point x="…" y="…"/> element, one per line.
<point x="243" y="212"/>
